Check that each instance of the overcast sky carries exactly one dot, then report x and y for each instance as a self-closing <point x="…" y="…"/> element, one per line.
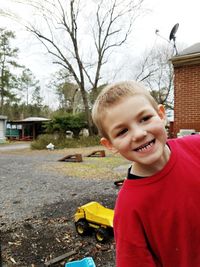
<point x="162" y="15"/>
<point x="166" y="13"/>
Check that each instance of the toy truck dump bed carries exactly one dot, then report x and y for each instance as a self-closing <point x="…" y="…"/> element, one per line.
<point x="94" y="212"/>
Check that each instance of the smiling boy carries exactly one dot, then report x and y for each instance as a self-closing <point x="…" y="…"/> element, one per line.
<point x="157" y="218"/>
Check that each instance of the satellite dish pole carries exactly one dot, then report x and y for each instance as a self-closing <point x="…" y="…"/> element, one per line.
<point x="157" y="32"/>
<point x="173" y="37"/>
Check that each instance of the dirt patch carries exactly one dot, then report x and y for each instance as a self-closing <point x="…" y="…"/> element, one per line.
<point x="35" y="241"/>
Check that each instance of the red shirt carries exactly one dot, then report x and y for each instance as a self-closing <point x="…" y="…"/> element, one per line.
<point x="157" y="219"/>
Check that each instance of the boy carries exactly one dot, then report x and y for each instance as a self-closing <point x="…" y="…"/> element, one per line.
<point x="157" y="212"/>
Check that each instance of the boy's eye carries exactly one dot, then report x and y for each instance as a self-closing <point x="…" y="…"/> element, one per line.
<point x="146" y="118"/>
<point x="122" y="132"/>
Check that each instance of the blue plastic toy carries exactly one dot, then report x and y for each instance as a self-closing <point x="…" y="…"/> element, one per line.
<point x="86" y="262"/>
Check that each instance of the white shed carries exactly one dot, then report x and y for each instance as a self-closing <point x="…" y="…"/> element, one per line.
<point x="3" y="120"/>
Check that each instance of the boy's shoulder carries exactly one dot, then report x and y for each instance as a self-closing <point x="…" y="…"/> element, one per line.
<point x="185" y="139"/>
<point x="187" y="142"/>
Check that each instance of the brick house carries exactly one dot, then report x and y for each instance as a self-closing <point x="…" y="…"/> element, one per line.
<point x="187" y="89"/>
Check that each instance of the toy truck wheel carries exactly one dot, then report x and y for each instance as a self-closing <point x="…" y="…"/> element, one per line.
<point x="102" y="235"/>
<point x="82" y="227"/>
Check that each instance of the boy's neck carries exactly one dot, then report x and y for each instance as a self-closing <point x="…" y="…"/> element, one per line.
<point x="146" y="170"/>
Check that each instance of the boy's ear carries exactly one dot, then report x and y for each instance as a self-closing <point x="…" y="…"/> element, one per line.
<point x="105" y="142"/>
<point x="161" y="112"/>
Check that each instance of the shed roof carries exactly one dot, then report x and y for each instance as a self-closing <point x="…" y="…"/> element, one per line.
<point x="35" y="119"/>
<point x="2" y="117"/>
<point x="32" y="119"/>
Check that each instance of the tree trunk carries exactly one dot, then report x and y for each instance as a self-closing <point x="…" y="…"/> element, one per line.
<point x="87" y="112"/>
<point x="2" y="102"/>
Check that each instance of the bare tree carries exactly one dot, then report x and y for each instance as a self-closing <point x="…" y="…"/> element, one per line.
<point x="68" y="93"/>
<point x="81" y="35"/>
<point x="156" y="71"/>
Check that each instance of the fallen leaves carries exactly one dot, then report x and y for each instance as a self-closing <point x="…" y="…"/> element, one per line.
<point x="47" y="242"/>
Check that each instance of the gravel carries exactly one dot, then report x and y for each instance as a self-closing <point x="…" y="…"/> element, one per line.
<point x="27" y="187"/>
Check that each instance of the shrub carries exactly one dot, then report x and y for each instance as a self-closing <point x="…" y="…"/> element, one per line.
<point x="66" y="122"/>
<point x="43" y="140"/>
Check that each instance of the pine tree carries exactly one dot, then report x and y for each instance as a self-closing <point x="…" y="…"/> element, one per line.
<point x="8" y="56"/>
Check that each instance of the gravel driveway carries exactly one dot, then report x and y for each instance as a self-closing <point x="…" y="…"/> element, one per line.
<point x="27" y="187"/>
<point x="31" y="190"/>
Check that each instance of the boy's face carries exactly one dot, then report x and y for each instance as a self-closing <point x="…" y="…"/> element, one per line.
<point x="136" y="130"/>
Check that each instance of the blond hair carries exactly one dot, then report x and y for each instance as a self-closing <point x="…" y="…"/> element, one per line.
<point x="112" y="95"/>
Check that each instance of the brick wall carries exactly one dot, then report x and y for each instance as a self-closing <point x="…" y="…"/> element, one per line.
<point x="186" y="97"/>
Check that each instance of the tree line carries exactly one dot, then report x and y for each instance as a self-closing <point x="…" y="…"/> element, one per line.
<point x="20" y="92"/>
<point x="80" y="79"/>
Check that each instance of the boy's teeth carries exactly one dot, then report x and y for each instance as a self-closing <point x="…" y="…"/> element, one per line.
<point x="143" y="148"/>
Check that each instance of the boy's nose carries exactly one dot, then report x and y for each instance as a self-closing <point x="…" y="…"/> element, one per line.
<point x="138" y="134"/>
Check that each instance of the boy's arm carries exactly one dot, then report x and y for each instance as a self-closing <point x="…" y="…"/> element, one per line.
<point x="133" y="256"/>
<point x="132" y="248"/>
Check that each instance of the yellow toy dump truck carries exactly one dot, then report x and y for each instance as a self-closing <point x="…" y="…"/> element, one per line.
<point x="94" y="216"/>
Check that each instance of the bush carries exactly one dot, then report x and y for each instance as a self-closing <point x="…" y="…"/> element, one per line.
<point x="62" y="142"/>
<point x="66" y="122"/>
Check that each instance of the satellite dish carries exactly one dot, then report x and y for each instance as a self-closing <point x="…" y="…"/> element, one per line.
<point x="172" y="36"/>
<point x="173" y="32"/>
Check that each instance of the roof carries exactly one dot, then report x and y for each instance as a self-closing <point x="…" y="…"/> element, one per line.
<point x="35" y="119"/>
<point x="32" y="119"/>
<point x="3" y="117"/>
<point x="194" y="49"/>
<point x="188" y="56"/>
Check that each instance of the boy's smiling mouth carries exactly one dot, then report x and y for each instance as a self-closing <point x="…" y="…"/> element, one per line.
<point x="145" y="147"/>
